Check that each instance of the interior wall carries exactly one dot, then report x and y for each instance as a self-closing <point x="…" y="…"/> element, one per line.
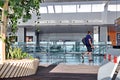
<point x="62" y="36"/>
<point x="112" y="36"/>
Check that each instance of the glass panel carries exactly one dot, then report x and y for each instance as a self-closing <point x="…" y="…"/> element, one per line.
<point x="43" y="46"/>
<point x="43" y="10"/>
<point x="70" y="46"/>
<point x="29" y="38"/>
<point x="97" y="7"/>
<point x="58" y="8"/>
<point x="50" y="9"/>
<point x="114" y="7"/>
<point x="84" y="8"/>
<point x="52" y="51"/>
<point x="118" y="7"/>
<point x="69" y="8"/>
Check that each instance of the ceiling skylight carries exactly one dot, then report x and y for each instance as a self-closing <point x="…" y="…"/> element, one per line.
<point x="69" y="8"/>
<point x="58" y="8"/>
<point x="84" y="8"/>
<point x="114" y="7"/>
<point x="97" y="7"/>
<point x="43" y="10"/>
<point x="50" y="9"/>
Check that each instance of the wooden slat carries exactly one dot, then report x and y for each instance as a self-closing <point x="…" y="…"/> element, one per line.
<point x="20" y="73"/>
<point x="10" y="71"/>
<point x="18" y="68"/>
<point x="7" y="70"/>
<point x="3" y="69"/>
<point x="1" y="65"/>
<point x="24" y="69"/>
<point x="15" y="70"/>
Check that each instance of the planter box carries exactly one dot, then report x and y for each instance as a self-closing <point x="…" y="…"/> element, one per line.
<point x="18" y="68"/>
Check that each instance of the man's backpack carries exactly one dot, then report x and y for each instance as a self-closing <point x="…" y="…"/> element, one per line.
<point x="84" y="41"/>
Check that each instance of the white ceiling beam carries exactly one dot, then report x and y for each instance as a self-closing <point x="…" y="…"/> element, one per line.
<point x="106" y="3"/>
<point x="54" y="8"/>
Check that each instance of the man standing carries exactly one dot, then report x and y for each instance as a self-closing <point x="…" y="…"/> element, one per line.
<point x="89" y="46"/>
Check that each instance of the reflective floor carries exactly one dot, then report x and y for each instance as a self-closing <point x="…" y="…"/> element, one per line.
<point x="68" y="58"/>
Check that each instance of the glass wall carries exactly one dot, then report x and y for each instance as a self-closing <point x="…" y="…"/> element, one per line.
<point x="73" y="8"/>
<point x="63" y="51"/>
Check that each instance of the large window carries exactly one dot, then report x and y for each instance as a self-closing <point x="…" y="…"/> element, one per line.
<point x="73" y="8"/>
<point x="58" y="8"/>
<point x="84" y="8"/>
<point x="97" y="7"/>
<point x="50" y="9"/>
<point x="114" y="7"/>
<point x="29" y="38"/>
<point x="69" y="8"/>
<point x="43" y="9"/>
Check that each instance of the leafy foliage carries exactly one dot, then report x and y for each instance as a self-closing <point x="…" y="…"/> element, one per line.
<point x="1" y="3"/>
<point x="20" y="9"/>
<point x="14" y="53"/>
<point x="17" y="53"/>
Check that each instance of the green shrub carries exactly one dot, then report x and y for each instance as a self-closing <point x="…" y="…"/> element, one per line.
<point x="17" y="53"/>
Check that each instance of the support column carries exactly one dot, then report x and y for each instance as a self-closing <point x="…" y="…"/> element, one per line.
<point x="103" y="34"/>
<point x="25" y="33"/>
<point x="37" y="33"/>
<point x="104" y="14"/>
<point x="96" y="34"/>
<point x="21" y="34"/>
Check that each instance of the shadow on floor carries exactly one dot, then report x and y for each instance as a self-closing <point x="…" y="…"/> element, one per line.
<point x="43" y="73"/>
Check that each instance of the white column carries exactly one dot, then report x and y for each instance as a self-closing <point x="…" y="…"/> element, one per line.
<point x="20" y="34"/>
<point x="96" y="34"/>
<point x="104" y="14"/>
<point x="103" y="34"/>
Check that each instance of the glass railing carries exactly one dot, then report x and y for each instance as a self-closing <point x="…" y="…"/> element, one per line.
<point x="66" y="47"/>
<point x="67" y="52"/>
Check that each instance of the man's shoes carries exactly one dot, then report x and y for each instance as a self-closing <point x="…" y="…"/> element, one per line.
<point x="83" y="61"/>
<point x="82" y="55"/>
<point x="91" y="60"/>
<point x="83" y="58"/>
